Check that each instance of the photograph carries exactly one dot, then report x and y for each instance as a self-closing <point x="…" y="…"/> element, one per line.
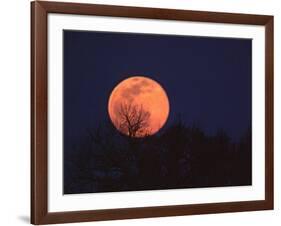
<point x="142" y="112"/>
<point x="155" y="111"/>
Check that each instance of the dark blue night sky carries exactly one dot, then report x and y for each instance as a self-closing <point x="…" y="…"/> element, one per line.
<point x="207" y="80"/>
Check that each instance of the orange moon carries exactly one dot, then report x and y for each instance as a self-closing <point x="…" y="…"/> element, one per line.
<point x="138" y="106"/>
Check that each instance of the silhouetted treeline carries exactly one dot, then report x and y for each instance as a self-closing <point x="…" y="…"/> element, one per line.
<point x="178" y="157"/>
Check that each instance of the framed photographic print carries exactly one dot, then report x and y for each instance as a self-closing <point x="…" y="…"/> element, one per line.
<point x="145" y="112"/>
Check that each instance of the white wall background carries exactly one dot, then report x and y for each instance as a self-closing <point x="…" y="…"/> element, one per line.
<point x="15" y="112"/>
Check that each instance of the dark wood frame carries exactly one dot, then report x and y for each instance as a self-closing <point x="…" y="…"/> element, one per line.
<point x="39" y="111"/>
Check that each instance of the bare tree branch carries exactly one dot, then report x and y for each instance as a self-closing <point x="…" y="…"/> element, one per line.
<point x="133" y="120"/>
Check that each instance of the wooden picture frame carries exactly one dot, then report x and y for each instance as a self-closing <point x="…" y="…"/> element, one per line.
<point x="39" y="112"/>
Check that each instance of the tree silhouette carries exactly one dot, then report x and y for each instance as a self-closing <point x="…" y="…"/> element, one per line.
<point x="133" y="120"/>
<point x="181" y="156"/>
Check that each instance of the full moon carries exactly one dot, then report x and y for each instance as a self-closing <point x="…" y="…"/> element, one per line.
<point x="138" y="106"/>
